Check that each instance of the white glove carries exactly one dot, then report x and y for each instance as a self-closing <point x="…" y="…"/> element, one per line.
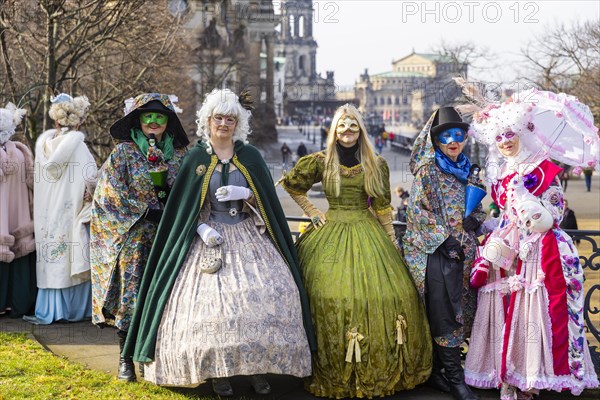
<point x="231" y="192"/>
<point x="209" y="236"/>
<point x="534" y="216"/>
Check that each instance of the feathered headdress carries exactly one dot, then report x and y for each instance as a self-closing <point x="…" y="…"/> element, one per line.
<point x="550" y="125"/>
<point x="245" y="99"/>
<point x="10" y="118"/>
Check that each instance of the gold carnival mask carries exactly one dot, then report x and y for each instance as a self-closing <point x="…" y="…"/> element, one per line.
<point x="347" y="123"/>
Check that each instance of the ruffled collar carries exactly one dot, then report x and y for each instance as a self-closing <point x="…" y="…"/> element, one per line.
<point x="523" y="163"/>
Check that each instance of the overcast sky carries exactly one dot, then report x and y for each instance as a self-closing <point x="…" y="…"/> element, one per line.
<point x="356" y="34"/>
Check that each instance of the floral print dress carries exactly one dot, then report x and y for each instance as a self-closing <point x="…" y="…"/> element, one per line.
<point x="530" y="328"/>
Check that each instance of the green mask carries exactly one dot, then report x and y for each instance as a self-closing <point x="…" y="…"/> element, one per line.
<point x="153" y="117"/>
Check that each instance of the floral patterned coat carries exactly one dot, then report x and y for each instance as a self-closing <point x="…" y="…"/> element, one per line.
<point x="435" y="211"/>
<point x="121" y="236"/>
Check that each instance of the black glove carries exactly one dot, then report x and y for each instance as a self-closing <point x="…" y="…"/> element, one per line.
<point x="451" y="248"/>
<point x="154" y="215"/>
<point x="162" y="193"/>
<point x="470" y="224"/>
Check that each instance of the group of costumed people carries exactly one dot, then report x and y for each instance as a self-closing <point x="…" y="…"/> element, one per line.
<point x="519" y="295"/>
<point x="50" y="201"/>
<point x="192" y="260"/>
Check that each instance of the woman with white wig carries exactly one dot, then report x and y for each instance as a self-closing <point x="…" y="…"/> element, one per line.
<point x="221" y="294"/>
<point x="17" y="246"/>
<point x="64" y="183"/>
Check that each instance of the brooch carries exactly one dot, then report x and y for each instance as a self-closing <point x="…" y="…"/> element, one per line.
<point x="201" y="170"/>
<point x="233" y="212"/>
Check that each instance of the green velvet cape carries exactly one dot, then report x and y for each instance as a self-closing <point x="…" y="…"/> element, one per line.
<point x="177" y="230"/>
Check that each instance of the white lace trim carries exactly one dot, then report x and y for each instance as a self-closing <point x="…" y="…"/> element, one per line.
<point x="483" y="380"/>
<point x="556" y="383"/>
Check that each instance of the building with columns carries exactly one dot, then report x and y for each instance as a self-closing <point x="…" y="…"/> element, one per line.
<point x="227" y="40"/>
<point x="404" y="97"/>
<point x="247" y="44"/>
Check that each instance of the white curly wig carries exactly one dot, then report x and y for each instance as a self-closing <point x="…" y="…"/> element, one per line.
<point x="68" y="111"/>
<point x="10" y="118"/>
<point x="224" y="102"/>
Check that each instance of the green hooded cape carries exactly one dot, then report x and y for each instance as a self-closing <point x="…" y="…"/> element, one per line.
<point x="177" y="230"/>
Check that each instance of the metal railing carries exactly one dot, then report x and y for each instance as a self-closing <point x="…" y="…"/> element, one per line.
<point x="590" y="262"/>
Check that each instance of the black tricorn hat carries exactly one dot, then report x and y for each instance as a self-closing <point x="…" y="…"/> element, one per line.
<point x="121" y="129"/>
<point x="445" y="118"/>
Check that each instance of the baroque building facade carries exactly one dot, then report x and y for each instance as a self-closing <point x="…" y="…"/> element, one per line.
<point x="230" y="41"/>
<point x="402" y="99"/>
<point x="243" y="44"/>
<point x="306" y="94"/>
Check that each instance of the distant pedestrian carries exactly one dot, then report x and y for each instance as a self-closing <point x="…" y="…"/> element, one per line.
<point x="401" y="193"/>
<point x="379" y="144"/>
<point x="569" y="221"/>
<point x="302" y="151"/>
<point x="564" y="176"/>
<point x="285" y="154"/>
<point x="401" y="216"/>
<point x="587" y="174"/>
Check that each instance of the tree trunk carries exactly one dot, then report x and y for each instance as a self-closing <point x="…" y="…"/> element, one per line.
<point x="51" y="31"/>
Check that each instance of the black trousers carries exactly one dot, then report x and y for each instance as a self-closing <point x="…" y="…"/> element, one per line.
<point x="443" y="294"/>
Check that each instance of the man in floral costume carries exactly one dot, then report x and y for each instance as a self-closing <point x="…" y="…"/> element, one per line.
<point x="439" y="245"/>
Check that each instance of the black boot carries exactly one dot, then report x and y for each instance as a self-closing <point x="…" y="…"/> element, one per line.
<point x="126" y="367"/>
<point x="437" y="380"/>
<point x="450" y="358"/>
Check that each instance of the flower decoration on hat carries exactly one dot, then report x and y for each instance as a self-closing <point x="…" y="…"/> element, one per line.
<point x="61" y="98"/>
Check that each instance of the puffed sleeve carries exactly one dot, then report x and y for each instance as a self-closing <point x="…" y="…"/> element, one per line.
<point x="382" y="204"/>
<point x="307" y="172"/>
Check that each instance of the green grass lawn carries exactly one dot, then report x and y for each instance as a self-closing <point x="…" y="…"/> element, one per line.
<point x="28" y="371"/>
